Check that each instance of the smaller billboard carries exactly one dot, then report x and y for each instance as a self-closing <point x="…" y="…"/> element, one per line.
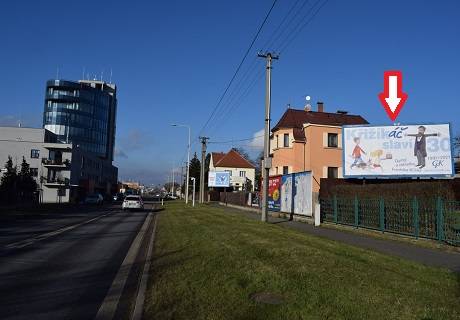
<point x="219" y="179"/>
<point x="274" y="193"/>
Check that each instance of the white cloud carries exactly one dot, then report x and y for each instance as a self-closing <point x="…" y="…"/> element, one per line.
<point x="257" y="141"/>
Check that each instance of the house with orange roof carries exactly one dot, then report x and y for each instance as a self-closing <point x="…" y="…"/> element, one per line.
<point x="241" y="170"/>
<point x="306" y="140"/>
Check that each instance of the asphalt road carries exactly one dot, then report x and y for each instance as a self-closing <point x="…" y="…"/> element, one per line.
<point x="60" y="265"/>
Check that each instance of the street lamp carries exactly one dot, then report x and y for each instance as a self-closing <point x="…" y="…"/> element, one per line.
<point x="188" y="158"/>
<point x="193" y="194"/>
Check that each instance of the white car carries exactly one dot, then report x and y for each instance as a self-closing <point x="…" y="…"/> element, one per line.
<point x="133" y="202"/>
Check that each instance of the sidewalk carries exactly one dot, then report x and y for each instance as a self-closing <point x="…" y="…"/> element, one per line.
<point x="427" y="256"/>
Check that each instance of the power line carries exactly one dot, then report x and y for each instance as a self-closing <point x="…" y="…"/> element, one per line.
<point x="230" y="106"/>
<point x="269" y="42"/>
<point x="232" y="141"/>
<point x="288" y="40"/>
<point x="239" y="66"/>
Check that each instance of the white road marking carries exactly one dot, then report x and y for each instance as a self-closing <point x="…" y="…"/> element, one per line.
<point x="28" y="242"/>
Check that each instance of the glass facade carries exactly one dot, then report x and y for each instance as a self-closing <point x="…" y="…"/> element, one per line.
<point x="82" y="112"/>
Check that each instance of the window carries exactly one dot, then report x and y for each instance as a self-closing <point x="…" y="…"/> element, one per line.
<point x="243" y="174"/>
<point x="332" y="140"/>
<point x="286" y="140"/>
<point x="34" y="153"/>
<point x="332" y="172"/>
<point x="229" y="171"/>
<point x="285" y="169"/>
<point x="277" y="143"/>
<point x="34" y="172"/>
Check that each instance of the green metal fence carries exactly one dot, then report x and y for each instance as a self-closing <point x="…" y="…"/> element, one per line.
<point x="427" y="218"/>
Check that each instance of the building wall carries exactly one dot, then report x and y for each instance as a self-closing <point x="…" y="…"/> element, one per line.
<point x="86" y="174"/>
<point x="320" y="155"/>
<point x="18" y="142"/>
<point x="291" y="156"/>
<point x="313" y="155"/>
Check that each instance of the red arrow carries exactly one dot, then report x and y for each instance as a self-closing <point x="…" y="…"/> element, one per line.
<point x="392" y="98"/>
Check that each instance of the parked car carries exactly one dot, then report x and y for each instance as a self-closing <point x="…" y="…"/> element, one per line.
<point x="133" y="202"/>
<point x="171" y="196"/>
<point x="96" y="198"/>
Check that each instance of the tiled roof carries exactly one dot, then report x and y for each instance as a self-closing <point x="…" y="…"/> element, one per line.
<point x="294" y="118"/>
<point x="216" y="156"/>
<point x="232" y="159"/>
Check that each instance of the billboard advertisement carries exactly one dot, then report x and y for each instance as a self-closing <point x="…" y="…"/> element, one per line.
<point x="411" y="150"/>
<point x="274" y="193"/>
<point x="296" y="193"/>
<point x="219" y="179"/>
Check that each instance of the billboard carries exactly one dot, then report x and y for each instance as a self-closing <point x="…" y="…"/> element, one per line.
<point x="412" y="150"/>
<point x="274" y="193"/>
<point x="296" y="193"/>
<point x="219" y="179"/>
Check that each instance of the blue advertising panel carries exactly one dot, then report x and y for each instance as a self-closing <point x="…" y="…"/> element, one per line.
<point x="219" y="179"/>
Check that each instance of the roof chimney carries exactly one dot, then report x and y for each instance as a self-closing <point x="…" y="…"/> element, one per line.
<point x="320" y="106"/>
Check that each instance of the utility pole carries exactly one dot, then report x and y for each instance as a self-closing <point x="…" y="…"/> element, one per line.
<point x="203" y="159"/>
<point x="182" y="180"/>
<point x="267" y="163"/>
<point x="173" y="177"/>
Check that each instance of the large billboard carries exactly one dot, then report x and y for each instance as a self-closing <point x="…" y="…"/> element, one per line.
<point x="219" y="179"/>
<point x="274" y="193"/>
<point x="411" y="150"/>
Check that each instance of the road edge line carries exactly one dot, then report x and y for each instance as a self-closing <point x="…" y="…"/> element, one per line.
<point x="109" y="305"/>
<point x="140" y="299"/>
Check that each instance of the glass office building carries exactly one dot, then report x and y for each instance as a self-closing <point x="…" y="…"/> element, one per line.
<point x="83" y="113"/>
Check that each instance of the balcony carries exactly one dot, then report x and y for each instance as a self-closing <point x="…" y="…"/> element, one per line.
<point x="64" y="182"/>
<point x="56" y="163"/>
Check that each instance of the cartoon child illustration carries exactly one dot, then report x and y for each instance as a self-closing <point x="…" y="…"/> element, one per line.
<point x="357" y="154"/>
<point x="420" y="145"/>
<point x="376" y="158"/>
<point x="374" y="161"/>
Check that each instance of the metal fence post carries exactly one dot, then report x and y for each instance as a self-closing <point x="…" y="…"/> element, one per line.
<point x="439" y="219"/>
<point x="356" y="211"/>
<point x="382" y="214"/>
<point x="334" y="204"/>
<point x="416" y="217"/>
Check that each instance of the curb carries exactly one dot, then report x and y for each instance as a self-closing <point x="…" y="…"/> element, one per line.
<point x="109" y="306"/>
<point x="140" y="299"/>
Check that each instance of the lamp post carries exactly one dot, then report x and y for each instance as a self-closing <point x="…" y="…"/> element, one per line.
<point x="188" y="158"/>
<point x="193" y="195"/>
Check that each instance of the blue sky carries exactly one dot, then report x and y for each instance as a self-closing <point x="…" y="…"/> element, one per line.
<point x="172" y="60"/>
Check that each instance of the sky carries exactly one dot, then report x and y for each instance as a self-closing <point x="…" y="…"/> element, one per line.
<point x="172" y="60"/>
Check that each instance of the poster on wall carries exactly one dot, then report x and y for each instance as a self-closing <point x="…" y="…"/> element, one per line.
<point x="274" y="195"/>
<point x="296" y="193"/>
<point x="411" y="150"/>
